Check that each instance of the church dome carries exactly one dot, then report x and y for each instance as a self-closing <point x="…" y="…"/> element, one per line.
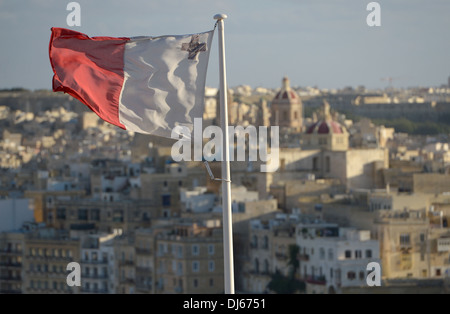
<point x="286" y="94"/>
<point x="325" y="127"/>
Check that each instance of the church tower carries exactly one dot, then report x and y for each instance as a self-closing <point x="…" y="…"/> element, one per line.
<point x="287" y="108"/>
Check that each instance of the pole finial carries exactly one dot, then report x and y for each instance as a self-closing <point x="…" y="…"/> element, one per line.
<point x="220" y="17"/>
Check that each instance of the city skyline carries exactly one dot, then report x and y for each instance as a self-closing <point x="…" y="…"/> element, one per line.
<point x="325" y="44"/>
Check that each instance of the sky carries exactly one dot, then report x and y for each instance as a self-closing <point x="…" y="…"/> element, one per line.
<point x="323" y="43"/>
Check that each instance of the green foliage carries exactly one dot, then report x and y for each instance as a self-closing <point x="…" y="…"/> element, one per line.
<point x="288" y="284"/>
<point x="293" y="260"/>
<point x="284" y="285"/>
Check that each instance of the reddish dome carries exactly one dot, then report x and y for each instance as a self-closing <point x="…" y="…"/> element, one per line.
<point x="325" y="127"/>
<point x="286" y="94"/>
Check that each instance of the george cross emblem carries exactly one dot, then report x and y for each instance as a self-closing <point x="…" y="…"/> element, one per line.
<point x="193" y="47"/>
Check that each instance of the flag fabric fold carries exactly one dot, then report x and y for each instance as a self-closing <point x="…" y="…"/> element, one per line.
<point x="143" y="84"/>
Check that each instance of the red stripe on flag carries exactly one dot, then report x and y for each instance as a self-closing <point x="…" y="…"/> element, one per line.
<point x="89" y="69"/>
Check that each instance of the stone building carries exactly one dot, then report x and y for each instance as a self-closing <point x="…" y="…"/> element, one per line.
<point x="287" y="108"/>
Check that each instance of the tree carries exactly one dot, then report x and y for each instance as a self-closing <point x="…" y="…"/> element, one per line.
<point x="288" y="284"/>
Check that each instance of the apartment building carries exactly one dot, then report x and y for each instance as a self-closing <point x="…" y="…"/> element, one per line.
<point x="11" y="259"/>
<point x="47" y="252"/>
<point x="333" y="258"/>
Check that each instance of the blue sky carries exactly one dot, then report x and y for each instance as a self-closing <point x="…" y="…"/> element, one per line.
<point x="324" y="43"/>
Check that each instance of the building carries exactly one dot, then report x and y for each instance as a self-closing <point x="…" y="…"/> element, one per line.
<point x="332" y="258"/>
<point x="97" y="264"/>
<point x="326" y="133"/>
<point x="287" y="108"/>
<point x="47" y="252"/>
<point x="270" y="240"/>
<point x="11" y="260"/>
<point x="414" y="243"/>
<point x="125" y="264"/>
<point x="14" y="212"/>
<point x="103" y="215"/>
<point x="189" y="259"/>
<point x="145" y="260"/>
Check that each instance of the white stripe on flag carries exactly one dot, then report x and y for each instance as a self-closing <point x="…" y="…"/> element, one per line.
<point x="162" y="87"/>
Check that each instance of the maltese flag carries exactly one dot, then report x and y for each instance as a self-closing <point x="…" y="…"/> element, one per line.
<point x="147" y="85"/>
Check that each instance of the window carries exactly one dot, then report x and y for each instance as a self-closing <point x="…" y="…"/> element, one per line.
<point x="361" y="275"/>
<point x="351" y="275"/>
<point x="327" y="164"/>
<point x="195" y="283"/>
<point x="211" y="282"/>
<point x="211" y="249"/>
<point x="254" y="243"/>
<point x="266" y="242"/>
<point x="348" y="254"/>
<point x="295" y="115"/>
<point x="166" y="200"/>
<point x="315" y="163"/>
<point x="82" y="214"/>
<point x="368" y="253"/>
<point x="266" y="266"/>
<point x="438" y="271"/>
<point x="95" y="215"/>
<point x="61" y="213"/>
<point x="422" y="237"/>
<point x="211" y="266"/>
<point x="195" y="249"/>
<point x="358" y="254"/>
<point x="330" y="254"/>
<point x="195" y="266"/>
<point x="405" y="239"/>
<point x="322" y="253"/>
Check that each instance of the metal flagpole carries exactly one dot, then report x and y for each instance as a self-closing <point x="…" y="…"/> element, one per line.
<point x="226" y="183"/>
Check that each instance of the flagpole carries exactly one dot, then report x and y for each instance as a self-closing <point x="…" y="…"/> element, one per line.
<point x="226" y="183"/>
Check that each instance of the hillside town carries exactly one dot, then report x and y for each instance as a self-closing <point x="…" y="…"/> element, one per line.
<point x="356" y="184"/>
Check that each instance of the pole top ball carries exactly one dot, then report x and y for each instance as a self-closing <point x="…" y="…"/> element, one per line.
<point x="220" y="16"/>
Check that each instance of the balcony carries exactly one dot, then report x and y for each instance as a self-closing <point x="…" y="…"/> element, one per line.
<point x="281" y="256"/>
<point x="95" y="262"/>
<point x="94" y="291"/>
<point x="129" y="281"/>
<point x="143" y="269"/>
<point x="11" y="252"/>
<point x="10" y="291"/>
<point x="11" y="264"/>
<point x="316" y="280"/>
<point x="303" y="257"/>
<point x="143" y="251"/>
<point x="144" y="287"/>
<point x="126" y="263"/>
<point x="95" y="276"/>
<point x="10" y="278"/>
